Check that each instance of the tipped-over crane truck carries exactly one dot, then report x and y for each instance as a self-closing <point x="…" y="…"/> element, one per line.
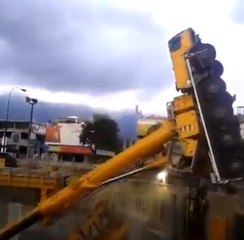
<point x="201" y="120"/>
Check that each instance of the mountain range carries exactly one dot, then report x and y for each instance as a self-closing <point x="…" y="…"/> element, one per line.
<point x="19" y="109"/>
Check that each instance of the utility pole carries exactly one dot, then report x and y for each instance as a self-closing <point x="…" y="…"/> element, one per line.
<point x="32" y="102"/>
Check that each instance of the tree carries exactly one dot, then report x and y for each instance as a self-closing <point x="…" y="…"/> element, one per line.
<point x="102" y="132"/>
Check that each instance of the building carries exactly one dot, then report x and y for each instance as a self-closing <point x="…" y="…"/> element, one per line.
<point x="17" y="137"/>
<point x="63" y="140"/>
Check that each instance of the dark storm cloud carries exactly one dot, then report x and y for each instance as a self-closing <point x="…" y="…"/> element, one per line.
<point x="237" y="11"/>
<point x="80" y="46"/>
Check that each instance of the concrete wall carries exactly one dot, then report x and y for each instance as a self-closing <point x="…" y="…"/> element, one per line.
<point x="158" y="206"/>
<point x="164" y="208"/>
<point x="161" y="208"/>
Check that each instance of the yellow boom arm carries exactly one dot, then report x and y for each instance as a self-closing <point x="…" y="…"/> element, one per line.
<point x="190" y="122"/>
<point x="67" y="197"/>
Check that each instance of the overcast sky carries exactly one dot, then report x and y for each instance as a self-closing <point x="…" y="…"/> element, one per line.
<point x="111" y="53"/>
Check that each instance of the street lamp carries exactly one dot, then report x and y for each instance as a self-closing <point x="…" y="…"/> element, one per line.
<point x="32" y="102"/>
<point x="7" y="116"/>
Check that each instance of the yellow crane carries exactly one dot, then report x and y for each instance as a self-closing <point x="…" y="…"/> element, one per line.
<point x="201" y="121"/>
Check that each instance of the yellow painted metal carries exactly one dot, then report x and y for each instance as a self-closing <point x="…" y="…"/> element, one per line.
<point x="2" y="162"/>
<point x="218" y="228"/>
<point x="30" y="181"/>
<point x="187" y="124"/>
<point x="86" y="184"/>
<point x="183" y="42"/>
<point x="183" y="103"/>
<point x="189" y="146"/>
<point x="143" y="125"/>
<point x="71" y="179"/>
<point x="158" y="162"/>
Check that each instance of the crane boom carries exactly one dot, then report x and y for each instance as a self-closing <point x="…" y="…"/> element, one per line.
<point x="201" y="120"/>
<point x="67" y="197"/>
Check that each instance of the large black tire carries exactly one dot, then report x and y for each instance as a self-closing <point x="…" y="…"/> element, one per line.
<point x="236" y="165"/>
<point x="217" y="68"/>
<point x="232" y="126"/>
<point x="211" y="87"/>
<point x="208" y="52"/>
<point x="220" y="99"/>
<point x="222" y="112"/>
<point x="228" y="140"/>
<point x="219" y="113"/>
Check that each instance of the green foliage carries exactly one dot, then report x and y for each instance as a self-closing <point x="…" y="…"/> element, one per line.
<point x="102" y="132"/>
